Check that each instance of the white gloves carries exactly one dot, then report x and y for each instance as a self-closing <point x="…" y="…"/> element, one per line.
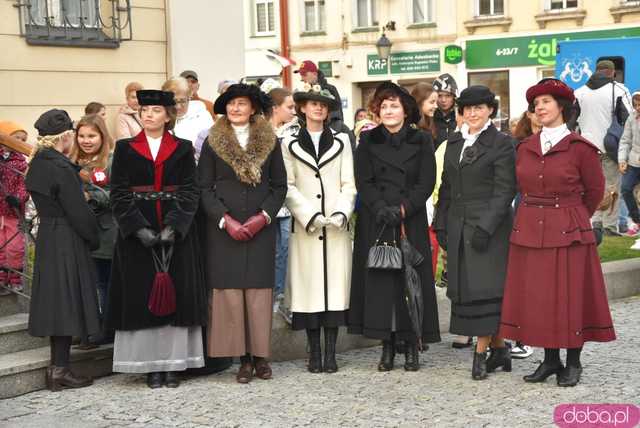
<point x="320" y="221"/>
<point x="338" y="221"/>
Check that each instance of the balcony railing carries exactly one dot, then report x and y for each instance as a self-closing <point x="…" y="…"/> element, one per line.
<point x="83" y="23"/>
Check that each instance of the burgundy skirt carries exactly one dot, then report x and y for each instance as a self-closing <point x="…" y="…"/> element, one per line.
<point x="555" y="297"/>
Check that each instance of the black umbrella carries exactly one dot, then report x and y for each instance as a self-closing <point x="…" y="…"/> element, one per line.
<point x="412" y="284"/>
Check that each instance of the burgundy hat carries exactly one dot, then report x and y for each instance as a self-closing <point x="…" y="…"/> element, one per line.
<point x="550" y="87"/>
<point x="307" y="66"/>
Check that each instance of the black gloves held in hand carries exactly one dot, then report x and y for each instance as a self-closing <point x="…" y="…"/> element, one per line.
<point x="389" y="215"/>
<point x="148" y="237"/>
<point x="168" y="235"/>
<point x="480" y="240"/>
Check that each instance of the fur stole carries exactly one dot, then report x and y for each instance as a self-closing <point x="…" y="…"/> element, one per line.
<point x="247" y="164"/>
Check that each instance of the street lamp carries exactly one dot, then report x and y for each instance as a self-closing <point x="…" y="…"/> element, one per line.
<point x="383" y="45"/>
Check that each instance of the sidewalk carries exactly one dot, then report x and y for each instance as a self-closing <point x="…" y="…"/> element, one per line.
<point x="441" y="394"/>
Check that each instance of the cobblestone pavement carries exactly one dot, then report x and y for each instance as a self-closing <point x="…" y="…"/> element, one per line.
<point x="441" y="394"/>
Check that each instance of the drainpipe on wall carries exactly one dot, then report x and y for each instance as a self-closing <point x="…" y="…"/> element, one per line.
<point x="285" y="49"/>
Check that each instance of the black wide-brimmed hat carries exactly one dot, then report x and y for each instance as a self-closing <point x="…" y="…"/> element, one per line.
<point x="154" y="97"/>
<point x="260" y="101"/>
<point x="413" y="113"/>
<point x="315" y="93"/>
<point x="476" y="95"/>
<point x="53" y="122"/>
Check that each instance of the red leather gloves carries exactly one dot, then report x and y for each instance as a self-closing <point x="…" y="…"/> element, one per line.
<point x="255" y="224"/>
<point x="236" y="230"/>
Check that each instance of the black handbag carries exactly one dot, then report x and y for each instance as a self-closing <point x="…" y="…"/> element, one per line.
<point x="385" y="255"/>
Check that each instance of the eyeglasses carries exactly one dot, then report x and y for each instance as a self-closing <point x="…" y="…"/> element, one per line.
<point x="183" y="101"/>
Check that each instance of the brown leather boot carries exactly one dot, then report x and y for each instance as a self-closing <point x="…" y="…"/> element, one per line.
<point x="59" y="378"/>
<point x="245" y="373"/>
<point x="263" y="369"/>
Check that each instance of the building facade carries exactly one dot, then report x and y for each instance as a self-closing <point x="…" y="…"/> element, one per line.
<point x="64" y="54"/>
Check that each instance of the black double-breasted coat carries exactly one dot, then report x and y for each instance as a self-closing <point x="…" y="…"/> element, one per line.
<point x="133" y="268"/>
<point x="231" y="263"/>
<point x="64" y="299"/>
<point x="478" y="193"/>
<point x="388" y="175"/>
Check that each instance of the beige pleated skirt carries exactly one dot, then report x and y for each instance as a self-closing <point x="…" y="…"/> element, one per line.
<point x="240" y="322"/>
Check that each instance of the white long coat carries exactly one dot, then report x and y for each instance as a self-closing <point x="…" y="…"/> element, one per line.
<point x="319" y="271"/>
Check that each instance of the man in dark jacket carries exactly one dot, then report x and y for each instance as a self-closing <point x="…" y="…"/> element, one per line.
<point x="310" y="75"/>
<point x="445" y="115"/>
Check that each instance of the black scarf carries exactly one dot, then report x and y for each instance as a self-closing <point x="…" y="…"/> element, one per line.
<point x="396" y="139"/>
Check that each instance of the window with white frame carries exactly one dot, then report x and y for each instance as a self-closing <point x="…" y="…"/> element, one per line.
<point x="421" y="11"/>
<point x="489" y="7"/>
<point x="365" y="13"/>
<point x="264" y="17"/>
<point x="314" y="17"/>
<point x="560" y="4"/>
<point x="64" y="13"/>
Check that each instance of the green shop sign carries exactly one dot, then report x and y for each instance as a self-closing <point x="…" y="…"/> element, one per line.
<point x="452" y="54"/>
<point x="326" y="68"/>
<point x="405" y="62"/>
<point x="530" y="50"/>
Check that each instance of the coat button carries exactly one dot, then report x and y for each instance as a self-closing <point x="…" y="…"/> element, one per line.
<point x="402" y="192"/>
<point x="319" y="196"/>
<point x="383" y="169"/>
<point x="317" y="175"/>
<point x="540" y="221"/>
<point x="320" y="238"/>
<point x="541" y="161"/>
<point x="458" y="196"/>
<point x="540" y="176"/>
<point x="382" y="188"/>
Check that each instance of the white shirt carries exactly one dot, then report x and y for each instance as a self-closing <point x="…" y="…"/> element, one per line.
<point x="242" y="134"/>
<point x="549" y="137"/>
<point x="315" y="138"/>
<point x="470" y="139"/>
<point x="154" y="146"/>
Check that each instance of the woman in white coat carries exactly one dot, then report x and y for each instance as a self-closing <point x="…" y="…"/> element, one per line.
<point x="321" y="195"/>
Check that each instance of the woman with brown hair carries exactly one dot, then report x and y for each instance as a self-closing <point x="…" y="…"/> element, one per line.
<point x="395" y="174"/>
<point x="91" y="151"/>
<point x="427" y="99"/>
<point x="157" y="301"/>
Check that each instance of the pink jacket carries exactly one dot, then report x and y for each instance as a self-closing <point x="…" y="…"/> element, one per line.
<point x="12" y="183"/>
<point x="129" y="124"/>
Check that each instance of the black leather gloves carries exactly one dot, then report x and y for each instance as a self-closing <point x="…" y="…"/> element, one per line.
<point x="148" y="237"/>
<point x="389" y="215"/>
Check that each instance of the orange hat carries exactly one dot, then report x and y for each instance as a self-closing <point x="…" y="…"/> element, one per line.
<point x="8" y="128"/>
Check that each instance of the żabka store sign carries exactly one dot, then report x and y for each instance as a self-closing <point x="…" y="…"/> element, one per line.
<point x="596" y="415"/>
<point x="530" y="50"/>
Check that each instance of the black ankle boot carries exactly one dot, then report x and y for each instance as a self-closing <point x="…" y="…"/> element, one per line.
<point x="411" y="357"/>
<point x="500" y="357"/>
<point x="569" y="376"/>
<point x="388" y="354"/>
<point x="479" y="368"/>
<point x="315" y="354"/>
<point x="543" y="371"/>
<point x="172" y="380"/>
<point x="330" y="338"/>
<point x="155" y="380"/>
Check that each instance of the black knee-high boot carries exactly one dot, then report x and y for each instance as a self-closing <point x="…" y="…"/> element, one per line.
<point x="388" y="354"/>
<point x="550" y="366"/>
<point x="330" y="339"/>
<point x="315" y="354"/>
<point x="570" y="376"/>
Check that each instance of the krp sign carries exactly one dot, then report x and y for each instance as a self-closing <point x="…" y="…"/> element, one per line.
<point x="531" y="50"/>
<point x="405" y="63"/>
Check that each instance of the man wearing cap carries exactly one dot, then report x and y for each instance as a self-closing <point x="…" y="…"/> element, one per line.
<point x="194" y="85"/>
<point x="595" y="102"/>
<point x="445" y="116"/>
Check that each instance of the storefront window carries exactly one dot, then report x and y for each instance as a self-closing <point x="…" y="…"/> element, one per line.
<point x="498" y="82"/>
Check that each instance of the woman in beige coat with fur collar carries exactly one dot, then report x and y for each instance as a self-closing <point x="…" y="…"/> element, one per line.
<point x="320" y="195"/>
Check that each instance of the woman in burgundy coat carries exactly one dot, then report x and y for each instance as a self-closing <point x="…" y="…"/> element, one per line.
<point x="555" y="295"/>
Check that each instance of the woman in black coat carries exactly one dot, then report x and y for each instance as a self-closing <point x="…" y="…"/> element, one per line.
<point x="394" y="167"/>
<point x="473" y="223"/>
<point x="63" y="299"/>
<point x="154" y="200"/>
<point x="243" y="183"/>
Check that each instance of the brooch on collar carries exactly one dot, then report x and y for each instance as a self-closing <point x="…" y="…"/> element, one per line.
<point x="469" y="155"/>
